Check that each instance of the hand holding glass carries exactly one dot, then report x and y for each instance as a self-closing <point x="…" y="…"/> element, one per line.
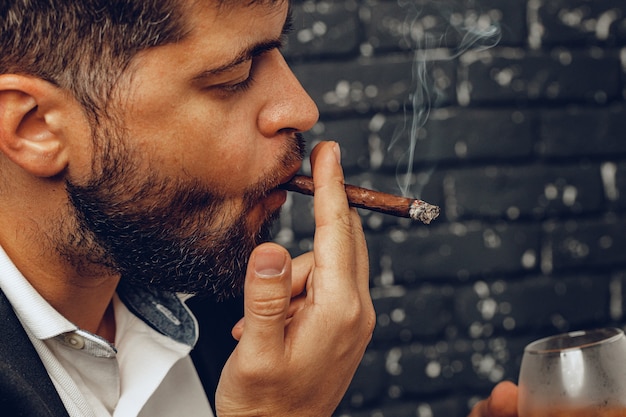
<point x="577" y="374"/>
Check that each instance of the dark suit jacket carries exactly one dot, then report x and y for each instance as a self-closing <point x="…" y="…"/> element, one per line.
<point x="26" y="388"/>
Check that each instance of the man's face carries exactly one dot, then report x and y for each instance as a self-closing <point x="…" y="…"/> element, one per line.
<point x="200" y="134"/>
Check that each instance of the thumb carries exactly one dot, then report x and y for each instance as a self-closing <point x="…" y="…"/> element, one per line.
<point x="267" y="293"/>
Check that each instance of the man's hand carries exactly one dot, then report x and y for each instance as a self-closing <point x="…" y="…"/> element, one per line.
<point x="501" y="403"/>
<point x="307" y="321"/>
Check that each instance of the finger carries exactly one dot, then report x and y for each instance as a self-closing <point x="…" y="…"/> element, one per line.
<point x="503" y="400"/>
<point x="237" y="329"/>
<point x="333" y="241"/>
<point x="267" y="292"/>
<point x="301" y="268"/>
<point x="361" y="256"/>
<point x="297" y="303"/>
<point x="501" y="403"/>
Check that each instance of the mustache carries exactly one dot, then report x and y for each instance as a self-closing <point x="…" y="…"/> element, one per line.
<point x="292" y="155"/>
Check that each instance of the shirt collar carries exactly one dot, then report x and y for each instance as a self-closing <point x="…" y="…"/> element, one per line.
<point x="31" y="308"/>
<point x="163" y="311"/>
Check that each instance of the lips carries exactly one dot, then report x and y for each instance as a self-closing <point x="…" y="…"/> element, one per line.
<point x="285" y="179"/>
<point x="276" y="197"/>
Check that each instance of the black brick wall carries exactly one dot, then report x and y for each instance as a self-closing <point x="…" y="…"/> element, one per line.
<point x="522" y="142"/>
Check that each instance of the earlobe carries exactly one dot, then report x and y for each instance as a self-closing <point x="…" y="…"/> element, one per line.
<point x="30" y="109"/>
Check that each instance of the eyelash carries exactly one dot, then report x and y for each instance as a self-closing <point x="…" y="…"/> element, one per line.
<point x="238" y="87"/>
<point x="247" y="83"/>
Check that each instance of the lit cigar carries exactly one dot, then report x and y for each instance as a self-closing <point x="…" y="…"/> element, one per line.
<point x="373" y="200"/>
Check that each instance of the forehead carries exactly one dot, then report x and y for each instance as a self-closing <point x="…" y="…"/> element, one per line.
<point x="223" y="16"/>
<point x="214" y="37"/>
<point x="226" y="6"/>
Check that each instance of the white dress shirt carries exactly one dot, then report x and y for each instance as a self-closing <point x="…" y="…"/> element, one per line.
<point x="148" y="373"/>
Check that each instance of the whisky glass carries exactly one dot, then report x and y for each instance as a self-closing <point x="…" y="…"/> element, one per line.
<point x="574" y="374"/>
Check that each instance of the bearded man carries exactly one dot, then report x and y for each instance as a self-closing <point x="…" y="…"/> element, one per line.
<point x="141" y="147"/>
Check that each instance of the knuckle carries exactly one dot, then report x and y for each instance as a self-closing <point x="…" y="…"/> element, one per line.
<point x="370" y="320"/>
<point x="360" y="317"/>
<point x="270" y="307"/>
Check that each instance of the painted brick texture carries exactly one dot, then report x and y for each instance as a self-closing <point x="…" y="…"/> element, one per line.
<point x="521" y="139"/>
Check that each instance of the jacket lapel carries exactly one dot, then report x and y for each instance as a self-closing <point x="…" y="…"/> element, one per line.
<point x="25" y="387"/>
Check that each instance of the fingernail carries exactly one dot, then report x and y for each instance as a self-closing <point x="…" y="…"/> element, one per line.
<point x="269" y="262"/>
<point x="337" y="151"/>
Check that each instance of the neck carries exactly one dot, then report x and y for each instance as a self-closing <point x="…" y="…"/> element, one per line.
<point x="32" y="226"/>
<point x="83" y="299"/>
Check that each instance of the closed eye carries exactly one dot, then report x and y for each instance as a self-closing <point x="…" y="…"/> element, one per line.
<point x="237" y="87"/>
<point x="249" y="57"/>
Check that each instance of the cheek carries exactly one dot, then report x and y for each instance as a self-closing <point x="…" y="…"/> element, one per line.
<point x="226" y="150"/>
<point x="222" y="153"/>
<point x="190" y="135"/>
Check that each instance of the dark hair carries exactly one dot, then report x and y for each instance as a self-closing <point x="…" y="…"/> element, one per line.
<point x="83" y="46"/>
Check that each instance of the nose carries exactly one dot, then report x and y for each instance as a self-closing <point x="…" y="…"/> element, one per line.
<point x="287" y="106"/>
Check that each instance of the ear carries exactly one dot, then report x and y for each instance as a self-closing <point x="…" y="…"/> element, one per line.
<point x="33" y="115"/>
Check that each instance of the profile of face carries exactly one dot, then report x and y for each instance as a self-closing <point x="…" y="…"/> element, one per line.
<point x="198" y="135"/>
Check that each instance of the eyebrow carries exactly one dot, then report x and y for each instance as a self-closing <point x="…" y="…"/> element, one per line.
<point x="250" y="52"/>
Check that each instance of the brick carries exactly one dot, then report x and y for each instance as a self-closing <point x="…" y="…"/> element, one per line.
<point x="561" y="75"/>
<point x="587" y="243"/>
<point x="323" y="29"/>
<point x="617" y="289"/>
<point x="460" y="251"/>
<point x="615" y="182"/>
<point x="582" y="132"/>
<point x="457" y="25"/>
<point x="382" y="142"/>
<point x="352" y="134"/>
<point x="496" y="359"/>
<point x="437" y="379"/>
<point x="580" y="22"/>
<point x="540" y="303"/>
<point x="373" y="84"/>
<point x="510" y="16"/>
<point x="412" y="315"/>
<point x="457" y="134"/>
<point x="369" y="382"/>
<point x="419" y="370"/>
<point x="425" y="370"/>
<point x="524" y="191"/>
